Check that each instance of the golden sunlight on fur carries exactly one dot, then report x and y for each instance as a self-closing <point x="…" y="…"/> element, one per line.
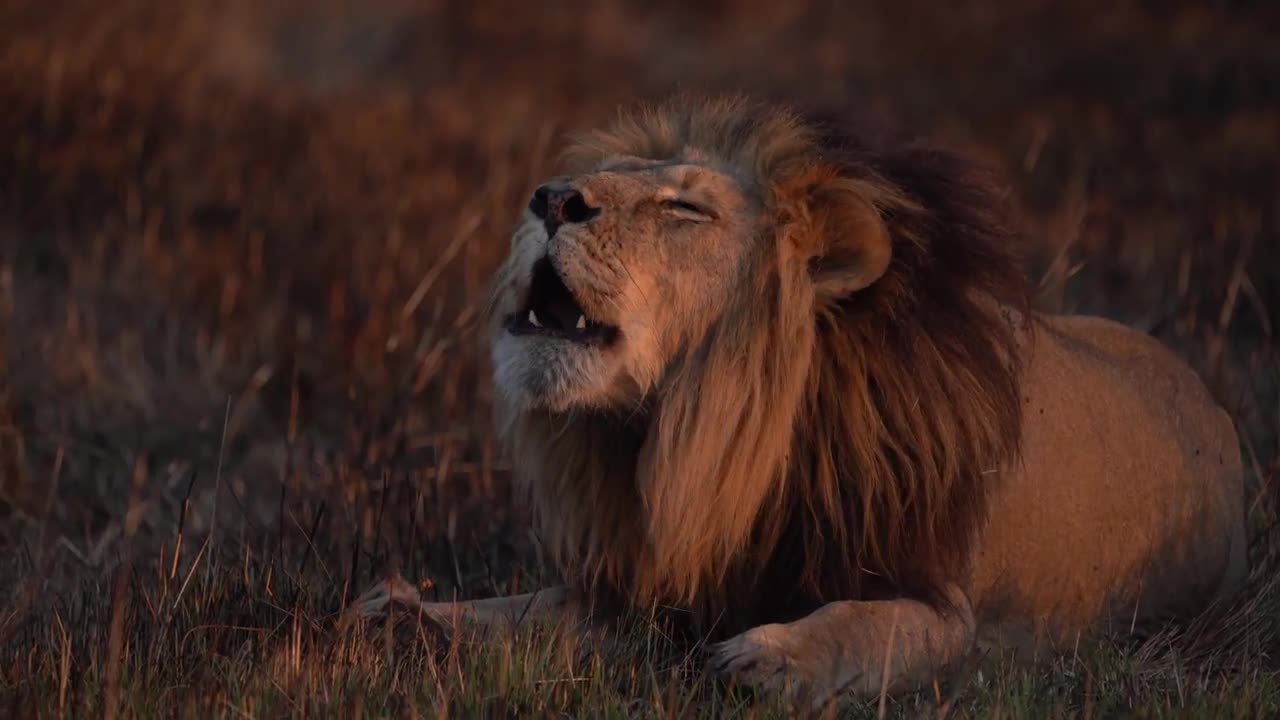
<point x="754" y="369"/>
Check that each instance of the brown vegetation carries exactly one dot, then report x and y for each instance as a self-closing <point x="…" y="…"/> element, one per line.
<point x="244" y="251"/>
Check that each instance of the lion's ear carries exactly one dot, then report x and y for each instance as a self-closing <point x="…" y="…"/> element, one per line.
<point x="853" y="247"/>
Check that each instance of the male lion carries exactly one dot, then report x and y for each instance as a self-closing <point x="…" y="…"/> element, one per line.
<point x="792" y="385"/>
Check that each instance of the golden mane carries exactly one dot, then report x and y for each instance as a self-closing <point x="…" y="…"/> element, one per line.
<point x="823" y="440"/>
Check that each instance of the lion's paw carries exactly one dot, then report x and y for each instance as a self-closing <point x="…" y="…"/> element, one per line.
<point x="756" y="657"/>
<point x="766" y="658"/>
<point x="384" y="596"/>
<point x="391" y="598"/>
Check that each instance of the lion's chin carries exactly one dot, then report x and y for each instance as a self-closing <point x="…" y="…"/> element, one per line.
<point x="537" y="372"/>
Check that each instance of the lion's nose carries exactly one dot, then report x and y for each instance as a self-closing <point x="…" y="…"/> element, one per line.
<point x="556" y="206"/>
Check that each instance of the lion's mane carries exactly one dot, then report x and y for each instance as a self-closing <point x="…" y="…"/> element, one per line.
<point x="816" y="444"/>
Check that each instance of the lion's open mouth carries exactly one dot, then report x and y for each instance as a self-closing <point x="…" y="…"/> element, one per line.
<point x="551" y="310"/>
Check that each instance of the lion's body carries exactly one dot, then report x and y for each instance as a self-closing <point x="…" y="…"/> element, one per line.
<point x="806" y="401"/>
<point x="1124" y="511"/>
<point x="1127" y="506"/>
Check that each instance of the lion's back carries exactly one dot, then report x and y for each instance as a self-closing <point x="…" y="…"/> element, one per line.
<point x="1167" y="394"/>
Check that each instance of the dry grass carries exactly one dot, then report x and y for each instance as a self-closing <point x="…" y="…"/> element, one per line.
<point x="243" y="250"/>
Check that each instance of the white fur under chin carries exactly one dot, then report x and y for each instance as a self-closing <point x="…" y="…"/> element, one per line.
<point x="550" y="374"/>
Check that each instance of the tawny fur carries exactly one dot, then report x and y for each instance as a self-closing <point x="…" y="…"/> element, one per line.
<point x="861" y="433"/>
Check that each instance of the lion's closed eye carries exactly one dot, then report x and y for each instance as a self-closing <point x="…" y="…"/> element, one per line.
<point x="685" y="210"/>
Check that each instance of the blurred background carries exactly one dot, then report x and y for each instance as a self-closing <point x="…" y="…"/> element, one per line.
<point x="245" y="245"/>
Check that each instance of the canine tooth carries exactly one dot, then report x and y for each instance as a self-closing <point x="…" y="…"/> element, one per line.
<point x="533" y="319"/>
<point x="582" y="322"/>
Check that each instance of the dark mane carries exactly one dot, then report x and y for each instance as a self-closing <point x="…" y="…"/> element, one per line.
<point x="913" y="402"/>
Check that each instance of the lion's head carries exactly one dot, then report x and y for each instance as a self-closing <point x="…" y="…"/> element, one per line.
<point x="736" y="348"/>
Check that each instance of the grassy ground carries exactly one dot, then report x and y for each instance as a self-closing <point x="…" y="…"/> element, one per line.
<point x="243" y="251"/>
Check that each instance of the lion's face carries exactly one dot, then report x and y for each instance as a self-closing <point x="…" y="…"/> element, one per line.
<point x="610" y="274"/>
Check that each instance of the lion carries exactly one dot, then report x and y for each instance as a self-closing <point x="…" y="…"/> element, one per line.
<point x="755" y="369"/>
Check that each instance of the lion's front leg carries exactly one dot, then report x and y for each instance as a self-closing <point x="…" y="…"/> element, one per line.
<point x="847" y="646"/>
<point x="504" y="612"/>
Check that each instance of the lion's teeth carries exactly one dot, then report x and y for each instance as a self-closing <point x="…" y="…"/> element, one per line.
<point x="533" y="319"/>
<point x="582" y="322"/>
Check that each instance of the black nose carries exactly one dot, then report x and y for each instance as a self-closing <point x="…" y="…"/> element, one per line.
<point x="557" y="206"/>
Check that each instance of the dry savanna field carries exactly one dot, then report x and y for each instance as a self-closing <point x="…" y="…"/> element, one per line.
<point x="244" y="252"/>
